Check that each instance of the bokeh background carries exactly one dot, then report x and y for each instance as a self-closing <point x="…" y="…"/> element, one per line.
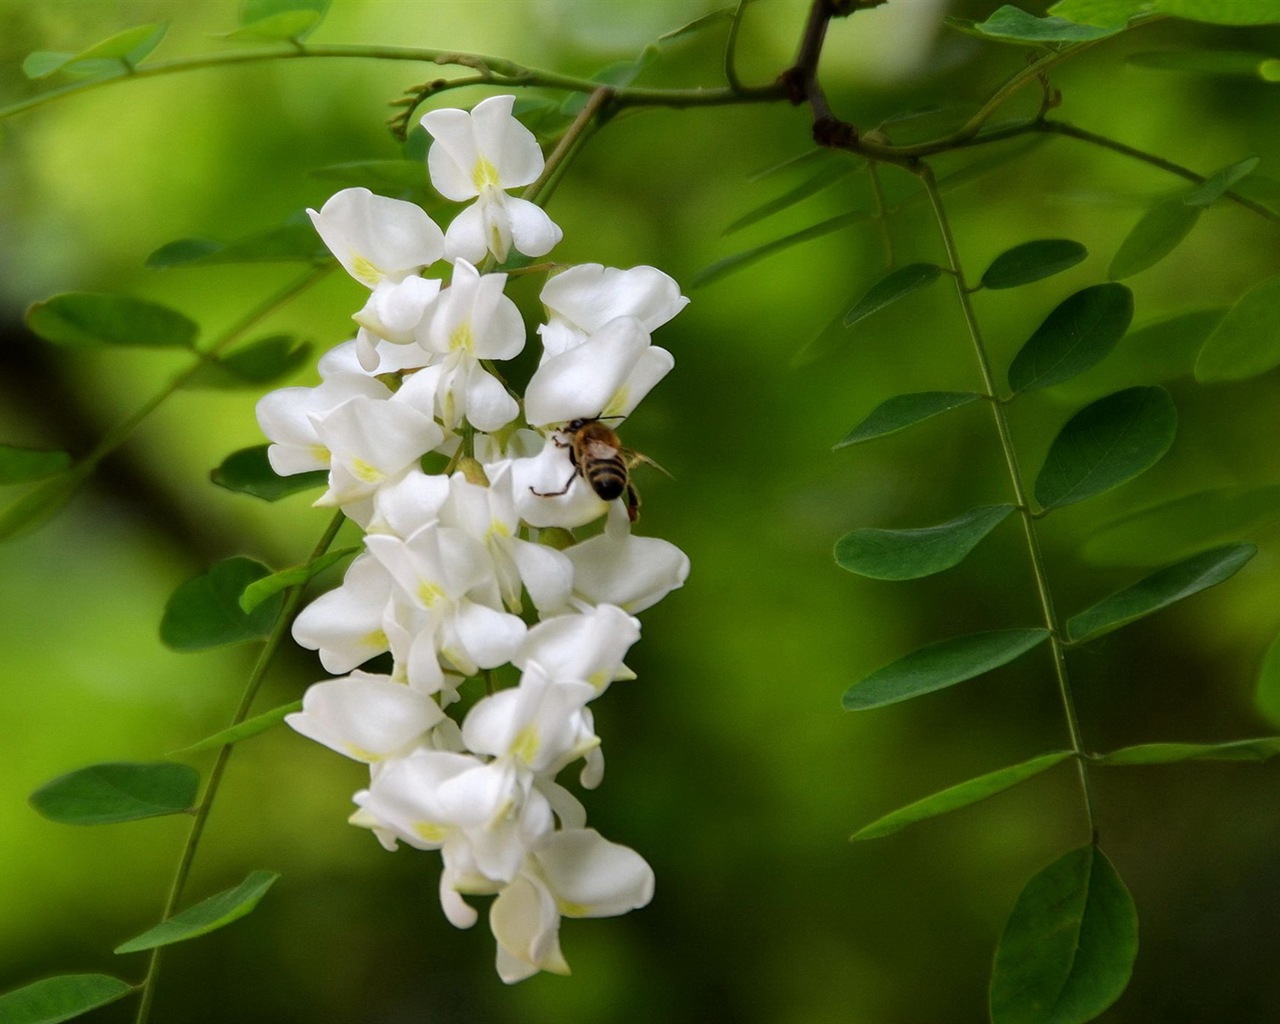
<point x="732" y="767"/>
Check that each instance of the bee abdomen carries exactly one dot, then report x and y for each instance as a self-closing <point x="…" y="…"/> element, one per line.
<point x="607" y="479"/>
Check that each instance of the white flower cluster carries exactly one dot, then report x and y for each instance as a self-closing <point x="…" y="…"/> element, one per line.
<point x="452" y="561"/>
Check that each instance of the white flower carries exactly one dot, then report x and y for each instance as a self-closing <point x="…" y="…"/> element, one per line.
<point x="588" y="647"/>
<point x="366" y="717"/>
<point x="377" y="239"/>
<point x="478" y="155"/>
<point x="617" y="568"/>
<point x="345" y="625"/>
<point x="582" y="299"/>
<point x="549" y="491"/>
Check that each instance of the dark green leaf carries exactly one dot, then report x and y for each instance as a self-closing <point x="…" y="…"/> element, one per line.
<point x="1204" y="62"/>
<point x="810" y="186"/>
<point x="910" y="554"/>
<point x="1014" y="25"/>
<point x="85" y="319"/>
<point x="1068" y="948"/>
<point x="259" y="591"/>
<point x="940" y="665"/>
<point x="1154" y="236"/>
<point x="902" y="411"/>
<point x="739" y="261"/>
<point x="1218" y="183"/>
<point x="247" y="471"/>
<point x="698" y="24"/>
<point x="889" y="289"/>
<point x="249" y="727"/>
<point x="206" y="916"/>
<point x="1033" y="261"/>
<point x="1267" y="696"/>
<point x="1221" y="12"/>
<point x="259" y="362"/>
<point x="18" y="465"/>
<point x="205" y="612"/>
<point x="40" y="504"/>
<point x="61" y="998"/>
<point x="289" y="243"/>
<point x="1183" y="524"/>
<point x="1080" y="332"/>
<point x="1161" y="589"/>
<point x="960" y="795"/>
<point x="1247" y="341"/>
<point x="106" y="793"/>
<point x="1171" y="753"/>
<point x="1107" y="444"/>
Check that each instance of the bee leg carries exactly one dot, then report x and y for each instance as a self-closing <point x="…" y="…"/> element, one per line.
<point x="555" y="494"/>
<point x="633" y="503"/>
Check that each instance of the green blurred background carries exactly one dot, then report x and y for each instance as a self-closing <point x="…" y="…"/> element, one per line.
<point x="732" y="767"/>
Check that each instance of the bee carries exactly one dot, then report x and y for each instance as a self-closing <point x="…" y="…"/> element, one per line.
<point x="601" y="460"/>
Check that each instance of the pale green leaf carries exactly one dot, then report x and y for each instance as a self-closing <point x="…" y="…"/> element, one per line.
<point x="1014" y="25"/>
<point x="205" y="612"/>
<point x="289" y="243"/>
<point x="810" y="186"/>
<point x="941" y="664"/>
<point x="1171" y="753"/>
<point x="1203" y="62"/>
<point x="911" y="554"/>
<point x="89" y="319"/>
<point x="129" y="46"/>
<point x="895" y="285"/>
<point x="1161" y="589"/>
<point x="1033" y="261"/>
<point x="249" y="727"/>
<point x="1069" y="945"/>
<point x="1267" y="695"/>
<point x="206" y="916"/>
<point x="902" y="411"/>
<point x="43" y="63"/>
<point x="1221" y="12"/>
<point x="1247" y="341"/>
<point x="698" y="24"/>
<point x="1114" y="14"/>
<point x="1154" y="236"/>
<point x="1107" y="444"/>
<point x="259" y="590"/>
<point x="57" y="999"/>
<point x="1218" y="183"/>
<point x="960" y="795"/>
<point x="1080" y="332"/>
<point x="107" y="793"/>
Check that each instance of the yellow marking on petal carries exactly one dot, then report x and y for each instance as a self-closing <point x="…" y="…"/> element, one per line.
<point x="497" y="528"/>
<point x="430" y="593"/>
<point x="320" y="453"/>
<point x="617" y="403"/>
<point x="599" y="679"/>
<point x="376" y="638"/>
<point x="569" y="909"/>
<point x="430" y="832"/>
<point x="360" y="754"/>
<point x="525" y="745"/>
<point x="462" y="339"/>
<point x="364" y="271"/>
<point x="362" y="470"/>
<point x="484" y="173"/>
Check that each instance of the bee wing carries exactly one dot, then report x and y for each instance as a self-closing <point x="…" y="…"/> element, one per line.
<point x="634" y="458"/>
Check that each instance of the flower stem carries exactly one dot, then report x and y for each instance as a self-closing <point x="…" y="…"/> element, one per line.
<point x="574" y="136"/>
<point x="293" y="599"/>
<point x="1028" y="518"/>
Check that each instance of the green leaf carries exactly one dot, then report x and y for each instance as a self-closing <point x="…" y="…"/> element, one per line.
<point x="62" y="998"/>
<point x="205" y="612"/>
<point x="1105" y="13"/>
<point x="618" y="74"/>
<point x="1267" y="695"/>
<point x="206" y="916"/>
<point x="289" y="243"/>
<point x="960" y="795"/>
<point x="1014" y="25"/>
<point x="901" y="411"/>
<point x="1080" y="332"/>
<point x="236" y="733"/>
<point x="1151" y="534"/>
<point x="1171" y="753"/>
<point x="1068" y="947"/>
<point x="106" y="793"/>
<point x="1033" y="261"/>
<point x="279" y="19"/>
<point x="130" y="46"/>
<point x="1221" y="12"/>
<point x="1203" y="62"/>
<point x="40" y="504"/>
<point x="941" y="664"/>
<point x="1154" y="236"/>
<point x="43" y="63"/>
<point x="1247" y="341"/>
<point x="18" y="465"/>
<point x="889" y="289"/>
<point x="741" y="260"/>
<point x="698" y="24"/>
<point x="257" y="592"/>
<point x="1107" y="444"/>
<point x="911" y="554"/>
<point x="248" y="471"/>
<point x="87" y="319"/>
<point x="1217" y="184"/>
<point x="1159" y="590"/>
<point x="810" y="186"/>
<point x="259" y="362"/>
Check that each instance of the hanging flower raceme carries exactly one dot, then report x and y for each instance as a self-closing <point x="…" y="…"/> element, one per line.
<point x="456" y="479"/>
